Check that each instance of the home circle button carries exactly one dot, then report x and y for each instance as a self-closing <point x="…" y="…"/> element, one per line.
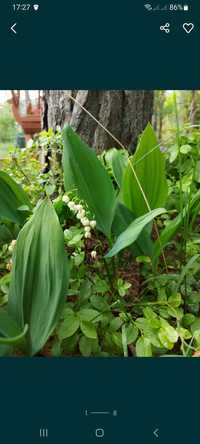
<point x="99" y="433"/>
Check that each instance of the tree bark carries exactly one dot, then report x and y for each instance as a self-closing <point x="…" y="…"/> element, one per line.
<point x="124" y="113"/>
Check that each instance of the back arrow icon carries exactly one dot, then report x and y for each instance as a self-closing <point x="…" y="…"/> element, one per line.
<point x="13" y="28"/>
<point x="156" y="433"/>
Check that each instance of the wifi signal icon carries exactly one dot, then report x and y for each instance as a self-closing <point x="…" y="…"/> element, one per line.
<point x="148" y="7"/>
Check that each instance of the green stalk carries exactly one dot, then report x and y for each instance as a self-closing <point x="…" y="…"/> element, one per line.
<point x="179" y="153"/>
<point x="178" y="141"/>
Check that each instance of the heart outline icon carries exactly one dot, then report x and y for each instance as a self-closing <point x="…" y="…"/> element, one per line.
<point x="188" y="27"/>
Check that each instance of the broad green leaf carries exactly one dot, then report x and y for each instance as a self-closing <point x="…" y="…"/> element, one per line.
<point x="100" y="285"/>
<point x="116" y="338"/>
<point x="131" y="234"/>
<point x="118" y="161"/>
<point x="14" y="339"/>
<point x="9" y="331"/>
<point x="175" y="300"/>
<point x="185" y="149"/>
<point x="99" y="303"/>
<point x="149" y="332"/>
<point x="131" y="333"/>
<point x="152" y="317"/>
<point x="164" y="339"/>
<point x="116" y="324"/>
<point x="184" y="333"/>
<point x="123" y="217"/>
<point x="69" y="326"/>
<point x="88" y="329"/>
<point x="84" y="172"/>
<point x="173" y="153"/>
<point x="88" y="314"/>
<point x="167" y="334"/>
<point x="149" y="165"/>
<point x="12" y="197"/>
<point x="39" y="277"/>
<point x="143" y="347"/>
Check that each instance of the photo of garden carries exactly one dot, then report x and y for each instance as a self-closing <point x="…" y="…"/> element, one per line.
<point x="99" y="223"/>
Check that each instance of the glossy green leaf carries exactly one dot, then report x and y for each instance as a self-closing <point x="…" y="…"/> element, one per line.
<point x="131" y="333"/>
<point x="117" y="161"/>
<point x="69" y="326"/>
<point x="133" y="231"/>
<point x="12" y="197"/>
<point x="149" y="165"/>
<point x="39" y="277"/>
<point x="116" y="324"/>
<point x="10" y="333"/>
<point x="14" y="339"/>
<point x="100" y="303"/>
<point x="88" y="314"/>
<point x="184" y="333"/>
<point x="143" y="347"/>
<point x="164" y="339"/>
<point x="175" y="300"/>
<point x="88" y="329"/>
<point x="143" y="246"/>
<point x="167" y="334"/>
<point x="185" y="149"/>
<point x="84" y="172"/>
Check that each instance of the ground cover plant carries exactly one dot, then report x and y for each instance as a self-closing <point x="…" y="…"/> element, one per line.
<point x="99" y="254"/>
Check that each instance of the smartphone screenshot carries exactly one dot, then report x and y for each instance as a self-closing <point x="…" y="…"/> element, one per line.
<point x="99" y="222"/>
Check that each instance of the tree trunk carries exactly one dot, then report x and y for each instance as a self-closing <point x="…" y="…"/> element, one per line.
<point x="124" y="113"/>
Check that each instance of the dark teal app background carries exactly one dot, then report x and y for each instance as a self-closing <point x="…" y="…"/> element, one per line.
<point x="151" y="396"/>
<point x="109" y="45"/>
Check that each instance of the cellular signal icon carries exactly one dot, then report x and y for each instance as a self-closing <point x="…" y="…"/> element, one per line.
<point x="148" y="7"/>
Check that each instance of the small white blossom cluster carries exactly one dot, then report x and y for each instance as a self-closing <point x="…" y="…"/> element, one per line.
<point x="93" y="254"/>
<point x="12" y="246"/>
<point x="80" y="214"/>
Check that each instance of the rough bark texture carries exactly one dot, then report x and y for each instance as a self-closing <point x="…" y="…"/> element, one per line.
<point x="124" y="113"/>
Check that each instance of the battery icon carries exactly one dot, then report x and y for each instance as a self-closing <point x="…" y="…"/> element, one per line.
<point x="186" y="8"/>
